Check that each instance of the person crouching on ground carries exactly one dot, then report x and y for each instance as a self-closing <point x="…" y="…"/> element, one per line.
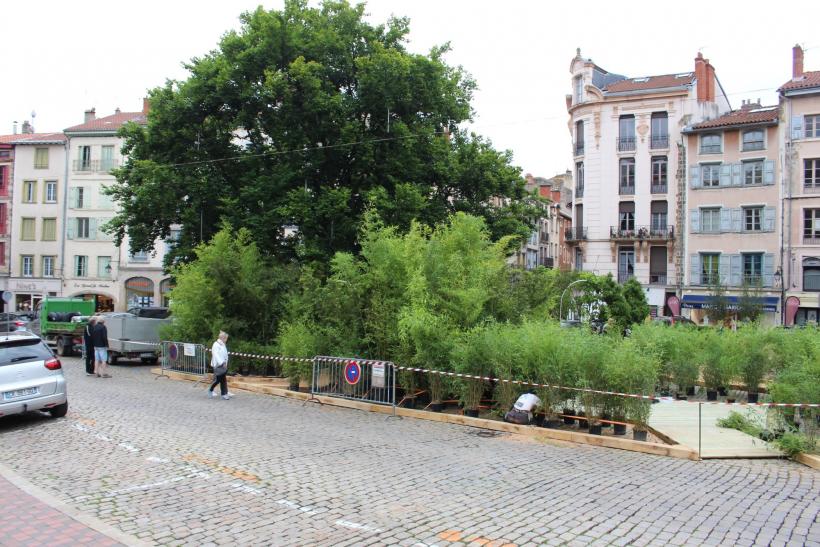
<point x="89" y="347"/>
<point x="219" y="362"/>
<point x="99" y="337"/>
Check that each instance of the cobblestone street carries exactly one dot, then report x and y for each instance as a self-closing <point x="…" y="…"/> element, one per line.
<point x="163" y="463"/>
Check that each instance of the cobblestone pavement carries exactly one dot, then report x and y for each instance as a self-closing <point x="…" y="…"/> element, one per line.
<point x="160" y="461"/>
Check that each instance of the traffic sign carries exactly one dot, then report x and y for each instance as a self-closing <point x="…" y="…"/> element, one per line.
<point x="353" y="373"/>
<point x="7" y="296"/>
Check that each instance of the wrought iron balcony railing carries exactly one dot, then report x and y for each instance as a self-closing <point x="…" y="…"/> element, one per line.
<point x="659" y="188"/>
<point x="657" y="278"/>
<point x="658" y="142"/>
<point x="626" y="189"/>
<point x="659" y="233"/>
<point x="626" y="144"/>
<point x="575" y="233"/>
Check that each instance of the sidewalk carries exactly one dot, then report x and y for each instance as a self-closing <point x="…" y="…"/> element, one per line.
<point x="31" y="517"/>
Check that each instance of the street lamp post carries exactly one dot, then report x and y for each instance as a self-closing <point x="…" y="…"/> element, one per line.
<point x="561" y="303"/>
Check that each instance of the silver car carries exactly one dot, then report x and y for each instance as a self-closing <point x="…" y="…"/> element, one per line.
<point x="31" y="377"/>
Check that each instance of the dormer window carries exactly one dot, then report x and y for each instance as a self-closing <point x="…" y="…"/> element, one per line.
<point x="578" y="90"/>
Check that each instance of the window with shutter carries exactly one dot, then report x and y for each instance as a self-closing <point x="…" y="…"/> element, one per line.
<point x="694" y="269"/>
<point x="752" y="219"/>
<point x="710" y="220"/>
<point x="752" y="173"/>
<point x="694" y="221"/>
<point x="41" y="158"/>
<point x="812" y="124"/>
<point x="735" y="270"/>
<point x="710" y="266"/>
<point x="27" y="230"/>
<point x="811" y="175"/>
<point x="797" y="127"/>
<point x="769" y="214"/>
<point x="49" y="229"/>
<point x="710" y="174"/>
<point x="753" y="269"/>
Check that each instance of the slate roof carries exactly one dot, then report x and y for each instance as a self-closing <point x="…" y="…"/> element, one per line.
<point x="809" y="80"/>
<point x="766" y="115"/>
<point x="33" y="138"/>
<point x="651" y="82"/>
<point x="109" y="123"/>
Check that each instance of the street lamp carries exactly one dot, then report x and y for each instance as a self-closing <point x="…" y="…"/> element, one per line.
<point x="561" y="303"/>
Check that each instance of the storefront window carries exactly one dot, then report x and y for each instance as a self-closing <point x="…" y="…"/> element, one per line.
<point x="139" y="292"/>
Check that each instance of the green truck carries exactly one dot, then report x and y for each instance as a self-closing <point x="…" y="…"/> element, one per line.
<point x="61" y="321"/>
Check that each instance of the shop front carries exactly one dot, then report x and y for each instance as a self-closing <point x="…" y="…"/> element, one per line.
<point x="165" y="287"/>
<point x="699" y="304"/>
<point x="27" y="292"/>
<point x="139" y="292"/>
<point x="101" y="292"/>
<point x="808" y="308"/>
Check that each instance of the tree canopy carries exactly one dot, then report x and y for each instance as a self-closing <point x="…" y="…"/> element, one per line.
<point x="305" y="117"/>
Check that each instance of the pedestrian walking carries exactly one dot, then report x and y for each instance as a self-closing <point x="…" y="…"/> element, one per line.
<point x="99" y="338"/>
<point x="219" y="362"/>
<point x="89" y="346"/>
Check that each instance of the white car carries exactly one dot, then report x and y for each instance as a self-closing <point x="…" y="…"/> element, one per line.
<point x="31" y="376"/>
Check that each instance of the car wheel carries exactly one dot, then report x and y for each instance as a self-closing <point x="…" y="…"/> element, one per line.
<point x="59" y="411"/>
<point x="113" y="359"/>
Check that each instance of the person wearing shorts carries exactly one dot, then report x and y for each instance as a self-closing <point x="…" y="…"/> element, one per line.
<point x="99" y="338"/>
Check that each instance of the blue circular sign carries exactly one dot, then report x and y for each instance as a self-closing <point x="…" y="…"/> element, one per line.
<point x="353" y="373"/>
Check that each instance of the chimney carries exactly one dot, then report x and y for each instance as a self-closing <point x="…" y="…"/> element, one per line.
<point x="146" y="106"/>
<point x="797" y="62"/>
<point x="28" y="129"/>
<point x="700" y="77"/>
<point x="710" y="81"/>
<point x="90" y="115"/>
<point x="14" y="127"/>
<point x="117" y="110"/>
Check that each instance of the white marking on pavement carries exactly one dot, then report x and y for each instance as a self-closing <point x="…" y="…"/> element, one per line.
<point x="303" y="508"/>
<point x="157" y="459"/>
<point x="246" y="488"/>
<point x="356" y="526"/>
<point x="128" y="447"/>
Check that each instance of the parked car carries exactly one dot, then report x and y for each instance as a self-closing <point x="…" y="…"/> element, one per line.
<point x="10" y="322"/>
<point x="151" y="313"/>
<point x="31" y="376"/>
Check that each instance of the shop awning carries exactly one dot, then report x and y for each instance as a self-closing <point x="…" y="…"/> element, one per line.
<point x="698" y="301"/>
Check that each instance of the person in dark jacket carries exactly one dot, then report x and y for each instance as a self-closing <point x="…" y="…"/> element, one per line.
<point x="89" y="347"/>
<point x="99" y="338"/>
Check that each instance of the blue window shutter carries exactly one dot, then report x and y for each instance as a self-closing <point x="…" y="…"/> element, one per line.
<point x="723" y="268"/>
<point x="694" y="269"/>
<point x="694" y="221"/>
<point x="797" y="127"/>
<point x="725" y="220"/>
<point x="737" y="174"/>
<point x="768" y="172"/>
<point x="768" y="219"/>
<point x="694" y="176"/>
<point x="726" y="175"/>
<point x="72" y="197"/>
<point x="71" y="227"/>
<point x="92" y="228"/>
<point x="737" y="219"/>
<point x="736" y="270"/>
<point x="768" y="270"/>
<point x="76" y="264"/>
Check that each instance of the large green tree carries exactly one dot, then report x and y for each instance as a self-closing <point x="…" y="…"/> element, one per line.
<point x="304" y="117"/>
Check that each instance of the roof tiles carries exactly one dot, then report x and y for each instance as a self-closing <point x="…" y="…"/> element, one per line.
<point x="651" y="82"/>
<point x="109" y="123"/>
<point x="809" y="80"/>
<point x="32" y="138"/>
<point x="765" y="115"/>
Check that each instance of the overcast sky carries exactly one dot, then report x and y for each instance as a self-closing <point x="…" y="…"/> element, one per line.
<point x="61" y="58"/>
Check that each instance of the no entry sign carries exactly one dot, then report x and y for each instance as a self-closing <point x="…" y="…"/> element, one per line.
<point x="353" y="373"/>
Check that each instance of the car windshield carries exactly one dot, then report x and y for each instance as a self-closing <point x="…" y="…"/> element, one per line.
<point x="14" y="351"/>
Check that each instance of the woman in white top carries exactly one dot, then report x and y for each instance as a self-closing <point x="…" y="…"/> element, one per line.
<point x="219" y="362"/>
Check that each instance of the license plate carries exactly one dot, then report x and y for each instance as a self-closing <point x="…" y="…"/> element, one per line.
<point x="9" y="395"/>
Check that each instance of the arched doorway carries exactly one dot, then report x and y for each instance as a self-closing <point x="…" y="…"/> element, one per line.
<point x="165" y="287"/>
<point x="102" y="302"/>
<point x="139" y="292"/>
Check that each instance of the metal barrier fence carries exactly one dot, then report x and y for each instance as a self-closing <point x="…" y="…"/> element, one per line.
<point x="355" y="379"/>
<point x="183" y="357"/>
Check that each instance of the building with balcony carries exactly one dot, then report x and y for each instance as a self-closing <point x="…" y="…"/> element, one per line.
<point x="93" y="266"/>
<point x="547" y="246"/>
<point x="800" y="107"/>
<point x="629" y="176"/>
<point x="733" y="204"/>
<point x="6" y="177"/>
<point x="37" y="203"/>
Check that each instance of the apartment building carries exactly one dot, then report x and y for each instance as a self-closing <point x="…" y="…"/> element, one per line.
<point x="37" y="205"/>
<point x="800" y="105"/>
<point x="629" y="183"/>
<point x="94" y="268"/>
<point x="733" y="200"/>
<point x="546" y="245"/>
<point x="6" y="176"/>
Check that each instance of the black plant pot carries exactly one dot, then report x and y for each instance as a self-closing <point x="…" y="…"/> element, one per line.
<point x="711" y="395"/>
<point x="595" y="429"/>
<point x="722" y="391"/>
<point x="638" y="435"/>
<point x="680" y="397"/>
<point x="690" y="391"/>
<point x="552" y="424"/>
<point x="538" y="420"/>
<point x="619" y="429"/>
<point x="582" y="422"/>
<point x="606" y="417"/>
<point x="567" y="413"/>
<point x="436" y="407"/>
<point x="471" y="412"/>
<point x="753" y="397"/>
<point x="293" y="386"/>
<point x="410" y="403"/>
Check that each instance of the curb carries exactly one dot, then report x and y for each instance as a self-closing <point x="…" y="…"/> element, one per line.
<point x="49" y="499"/>
<point x="674" y="451"/>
